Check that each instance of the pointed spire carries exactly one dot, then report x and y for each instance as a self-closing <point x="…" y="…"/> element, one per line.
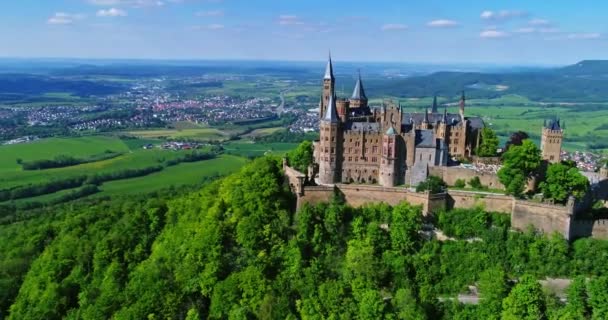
<point x="444" y="120"/>
<point x="359" y="92"/>
<point x="331" y="114"/>
<point x="426" y="116"/>
<point x="462" y="104"/>
<point x="329" y="70"/>
<point x="434" y="109"/>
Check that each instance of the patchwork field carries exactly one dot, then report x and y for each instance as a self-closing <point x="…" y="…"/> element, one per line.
<point x="182" y="174"/>
<point x="248" y="148"/>
<point x="201" y="134"/>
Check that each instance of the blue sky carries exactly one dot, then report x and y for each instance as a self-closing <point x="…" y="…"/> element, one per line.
<point x="435" y="31"/>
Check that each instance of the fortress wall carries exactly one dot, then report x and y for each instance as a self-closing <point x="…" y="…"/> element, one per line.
<point x="547" y="218"/>
<point x="597" y="229"/>
<point x="490" y="202"/>
<point x="295" y="178"/>
<point x="358" y="195"/>
<point x="316" y="194"/>
<point x="451" y="174"/>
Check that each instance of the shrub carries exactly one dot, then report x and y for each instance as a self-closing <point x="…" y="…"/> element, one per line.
<point x="475" y="183"/>
<point x="460" y="183"/>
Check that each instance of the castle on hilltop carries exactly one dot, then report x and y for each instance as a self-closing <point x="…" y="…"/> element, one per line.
<point x="386" y="145"/>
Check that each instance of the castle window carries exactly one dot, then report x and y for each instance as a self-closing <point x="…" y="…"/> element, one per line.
<point x="456" y="141"/>
<point x="333" y="150"/>
<point x="333" y="139"/>
<point x="326" y="139"/>
<point x="375" y="149"/>
<point x="429" y="157"/>
<point x="350" y="158"/>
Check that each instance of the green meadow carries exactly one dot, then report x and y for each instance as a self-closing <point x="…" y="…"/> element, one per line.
<point x="182" y="174"/>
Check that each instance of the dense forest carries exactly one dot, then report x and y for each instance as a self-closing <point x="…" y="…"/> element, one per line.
<point x="237" y="250"/>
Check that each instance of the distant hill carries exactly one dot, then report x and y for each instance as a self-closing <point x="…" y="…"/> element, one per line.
<point x="587" y="68"/>
<point x="586" y="81"/>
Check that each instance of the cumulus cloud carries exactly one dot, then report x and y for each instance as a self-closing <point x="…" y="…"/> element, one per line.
<point x="112" y="12"/>
<point x="393" y="27"/>
<point x="442" y="23"/>
<point x="539" y="22"/>
<point x="210" y="13"/>
<point x="493" y="34"/>
<point x="289" y="20"/>
<point x="587" y="35"/>
<point x="502" y="15"/>
<point x="130" y="3"/>
<point x="63" y="18"/>
<point x="214" y="26"/>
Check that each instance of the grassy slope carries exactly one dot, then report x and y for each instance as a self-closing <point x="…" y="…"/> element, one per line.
<point x="182" y="174"/>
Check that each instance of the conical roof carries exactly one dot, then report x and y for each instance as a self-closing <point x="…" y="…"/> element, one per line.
<point x="434" y="108"/>
<point x="359" y="92"/>
<point x="331" y="114"/>
<point x="329" y="70"/>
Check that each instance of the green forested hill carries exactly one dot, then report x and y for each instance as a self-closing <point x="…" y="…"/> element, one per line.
<point x="236" y="250"/>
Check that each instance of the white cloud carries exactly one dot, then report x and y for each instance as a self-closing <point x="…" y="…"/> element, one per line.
<point x="442" y="23"/>
<point x="210" y="13"/>
<point x="539" y="22"/>
<point x="393" y="27"/>
<point x="130" y="3"/>
<point x="587" y="35"/>
<point x="493" y="34"/>
<point x="63" y="18"/>
<point x="215" y="26"/>
<point x="112" y="12"/>
<point x="502" y="15"/>
<point x="526" y="30"/>
<point x="289" y="20"/>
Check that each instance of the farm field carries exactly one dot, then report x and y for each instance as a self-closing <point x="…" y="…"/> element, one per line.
<point x="247" y="148"/>
<point x="182" y="174"/>
<point x="201" y="134"/>
<point x="52" y="147"/>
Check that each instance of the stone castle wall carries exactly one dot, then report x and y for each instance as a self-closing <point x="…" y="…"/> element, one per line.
<point x="584" y="228"/>
<point x="359" y="195"/>
<point x="490" y="202"/>
<point x="451" y="174"/>
<point x="547" y="218"/>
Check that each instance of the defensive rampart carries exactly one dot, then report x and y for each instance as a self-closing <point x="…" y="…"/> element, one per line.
<point x="545" y="217"/>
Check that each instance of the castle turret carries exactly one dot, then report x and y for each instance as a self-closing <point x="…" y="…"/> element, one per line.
<point x="604" y="171"/>
<point x="329" y="83"/>
<point x="358" y="99"/>
<point x="330" y="144"/>
<point x="462" y="105"/>
<point x="425" y="122"/>
<point x="388" y="166"/>
<point x="442" y="127"/>
<point x="343" y="108"/>
<point x="434" y="106"/>
<point x="551" y="141"/>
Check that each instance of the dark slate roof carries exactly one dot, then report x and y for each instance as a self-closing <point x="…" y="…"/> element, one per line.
<point x="331" y="114"/>
<point x="359" y="92"/>
<point x="425" y="139"/>
<point x="452" y="119"/>
<point x="329" y="70"/>
<point x="368" y="127"/>
<point x="434" y="106"/>
<point x="554" y="125"/>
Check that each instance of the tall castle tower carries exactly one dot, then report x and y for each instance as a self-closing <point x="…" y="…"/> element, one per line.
<point x="329" y="83"/>
<point x="388" y="167"/>
<point x="551" y="141"/>
<point x="330" y="144"/>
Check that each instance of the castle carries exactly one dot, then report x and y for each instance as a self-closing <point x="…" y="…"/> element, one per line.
<point x="385" y="145"/>
<point x="365" y="153"/>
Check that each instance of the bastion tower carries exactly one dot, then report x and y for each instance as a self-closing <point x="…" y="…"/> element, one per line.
<point x="330" y="144"/>
<point x="551" y="141"/>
